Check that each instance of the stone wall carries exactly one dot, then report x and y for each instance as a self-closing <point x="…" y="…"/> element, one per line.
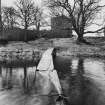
<point x="62" y="26"/>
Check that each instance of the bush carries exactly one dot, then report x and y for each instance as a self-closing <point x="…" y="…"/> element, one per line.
<point x="18" y="34"/>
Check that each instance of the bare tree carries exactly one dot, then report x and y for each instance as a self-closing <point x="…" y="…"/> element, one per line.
<point x="37" y="17"/>
<point x="0" y="18"/>
<point x="54" y="12"/>
<point x="9" y="17"/>
<point x="80" y="12"/>
<point x="25" y="8"/>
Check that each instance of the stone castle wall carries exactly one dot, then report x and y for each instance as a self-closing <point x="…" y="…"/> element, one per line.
<point x="62" y="26"/>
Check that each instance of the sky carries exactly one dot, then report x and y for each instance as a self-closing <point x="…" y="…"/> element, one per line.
<point x="7" y="2"/>
<point x="11" y="2"/>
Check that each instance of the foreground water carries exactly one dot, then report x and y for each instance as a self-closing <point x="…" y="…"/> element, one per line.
<point x="82" y="80"/>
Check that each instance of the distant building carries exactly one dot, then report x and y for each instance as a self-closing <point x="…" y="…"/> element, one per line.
<point x="62" y="26"/>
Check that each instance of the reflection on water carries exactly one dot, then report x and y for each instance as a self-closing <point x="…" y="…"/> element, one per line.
<point x="15" y="77"/>
<point x="82" y="80"/>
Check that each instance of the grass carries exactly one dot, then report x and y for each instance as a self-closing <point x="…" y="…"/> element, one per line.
<point x="69" y="47"/>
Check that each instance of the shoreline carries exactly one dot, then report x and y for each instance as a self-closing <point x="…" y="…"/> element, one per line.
<point x="33" y="50"/>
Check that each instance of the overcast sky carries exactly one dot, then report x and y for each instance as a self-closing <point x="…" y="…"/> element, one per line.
<point x="11" y="2"/>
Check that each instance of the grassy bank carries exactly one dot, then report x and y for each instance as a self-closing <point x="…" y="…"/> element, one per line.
<point x="33" y="50"/>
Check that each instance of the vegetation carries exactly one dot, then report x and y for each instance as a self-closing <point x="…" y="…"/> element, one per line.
<point x="80" y="12"/>
<point x="18" y="34"/>
<point x="9" y="17"/>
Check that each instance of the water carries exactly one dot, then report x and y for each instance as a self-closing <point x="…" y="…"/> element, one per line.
<point x="82" y="80"/>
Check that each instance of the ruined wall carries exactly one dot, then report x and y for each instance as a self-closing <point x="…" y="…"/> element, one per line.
<point x="61" y="26"/>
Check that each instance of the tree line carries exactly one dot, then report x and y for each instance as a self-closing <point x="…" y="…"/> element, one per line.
<point x="25" y="14"/>
<point x="81" y="14"/>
